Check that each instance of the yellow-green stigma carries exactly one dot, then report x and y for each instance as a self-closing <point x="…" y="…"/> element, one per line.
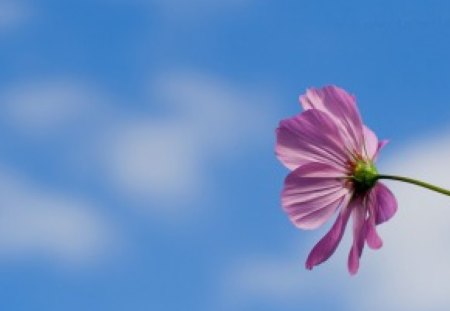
<point x="365" y="175"/>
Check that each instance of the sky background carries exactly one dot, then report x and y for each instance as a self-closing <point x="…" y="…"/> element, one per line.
<point x="137" y="169"/>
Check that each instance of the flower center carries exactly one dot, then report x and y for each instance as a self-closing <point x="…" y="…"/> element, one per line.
<point x="364" y="175"/>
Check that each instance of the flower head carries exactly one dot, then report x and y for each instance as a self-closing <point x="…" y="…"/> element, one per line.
<point x="331" y="155"/>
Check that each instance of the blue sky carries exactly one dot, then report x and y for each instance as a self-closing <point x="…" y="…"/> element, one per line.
<point x="137" y="169"/>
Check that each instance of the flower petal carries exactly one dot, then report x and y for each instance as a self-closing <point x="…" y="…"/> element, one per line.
<point x="381" y="145"/>
<point x="312" y="193"/>
<point x="384" y="202"/>
<point x="359" y="234"/>
<point x="328" y="244"/>
<point x="310" y="137"/>
<point x="370" y="143"/>
<point x="373" y="239"/>
<point x="341" y="106"/>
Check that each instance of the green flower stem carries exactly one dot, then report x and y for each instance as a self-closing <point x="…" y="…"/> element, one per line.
<point x="415" y="182"/>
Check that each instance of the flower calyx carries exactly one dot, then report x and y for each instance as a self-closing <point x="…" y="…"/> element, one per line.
<point x="364" y="175"/>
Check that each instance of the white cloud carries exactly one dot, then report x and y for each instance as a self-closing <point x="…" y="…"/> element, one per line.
<point x="167" y="157"/>
<point x="47" y="107"/>
<point x="49" y="225"/>
<point x="220" y="114"/>
<point x="12" y="14"/>
<point x="147" y="159"/>
<point x="161" y="161"/>
<point x="257" y="276"/>
<point x="410" y="272"/>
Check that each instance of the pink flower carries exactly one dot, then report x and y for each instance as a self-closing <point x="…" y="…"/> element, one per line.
<point x="331" y="154"/>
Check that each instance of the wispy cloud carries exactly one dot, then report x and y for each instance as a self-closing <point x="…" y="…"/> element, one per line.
<point x="162" y="160"/>
<point x="280" y="281"/>
<point x="50" y="106"/>
<point x="166" y="158"/>
<point x="38" y="223"/>
<point x="249" y="279"/>
<point x="146" y="159"/>
<point x="13" y="14"/>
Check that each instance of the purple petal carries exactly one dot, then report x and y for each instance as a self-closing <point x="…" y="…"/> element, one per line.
<point x="312" y="193"/>
<point x="328" y="244"/>
<point x="384" y="202"/>
<point x="341" y="106"/>
<point x="373" y="239"/>
<point x="359" y="235"/>
<point x="370" y="143"/>
<point x="380" y="146"/>
<point x="310" y="137"/>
